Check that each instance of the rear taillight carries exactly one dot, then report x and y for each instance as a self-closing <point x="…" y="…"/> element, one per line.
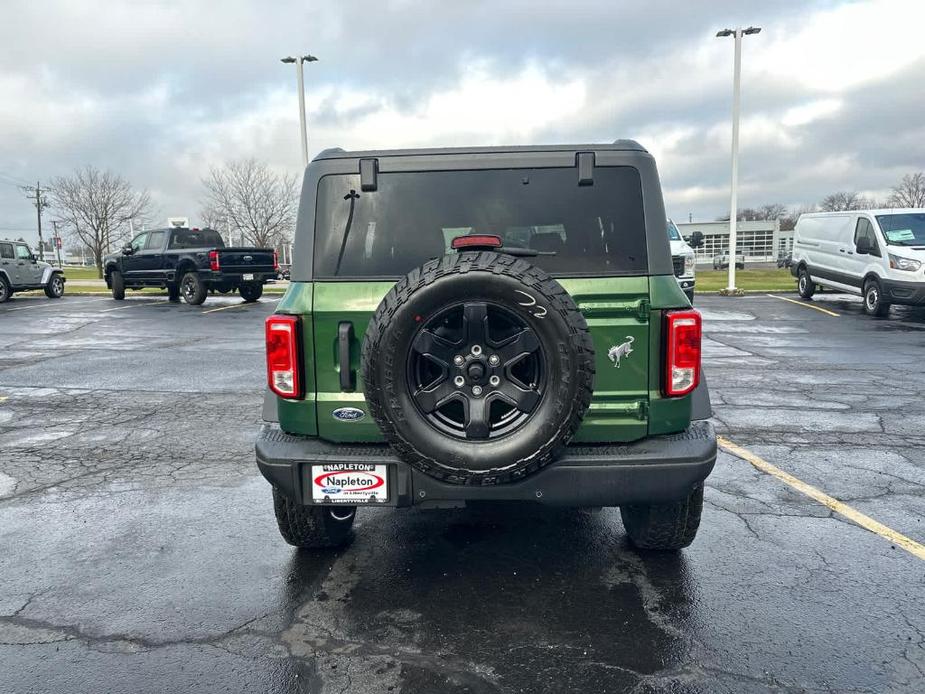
<point x="283" y="356"/>
<point x="214" y="265"/>
<point x="682" y="352"/>
<point x="275" y="260"/>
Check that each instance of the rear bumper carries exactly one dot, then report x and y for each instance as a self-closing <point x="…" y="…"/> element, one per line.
<point x="656" y="469"/>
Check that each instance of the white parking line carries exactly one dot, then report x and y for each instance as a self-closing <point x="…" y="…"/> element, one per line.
<point x="134" y="305"/>
<point x="54" y="304"/>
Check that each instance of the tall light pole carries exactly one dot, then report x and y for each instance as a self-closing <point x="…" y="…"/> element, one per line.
<point x="300" y="80"/>
<point x="736" y="88"/>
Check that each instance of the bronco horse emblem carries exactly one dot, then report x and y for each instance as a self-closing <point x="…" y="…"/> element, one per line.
<point x="618" y="352"/>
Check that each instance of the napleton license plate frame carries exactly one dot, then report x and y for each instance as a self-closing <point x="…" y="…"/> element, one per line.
<point x="363" y="484"/>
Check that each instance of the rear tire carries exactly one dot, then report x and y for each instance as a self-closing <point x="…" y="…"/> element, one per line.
<point x="689" y="293"/>
<point x="55" y="287"/>
<point x="117" y="284"/>
<point x="313" y="527"/>
<point x="193" y="289"/>
<point x="664" y="527"/>
<point x="805" y="284"/>
<point x="5" y="291"/>
<point x="874" y="303"/>
<point x="251" y="291"/>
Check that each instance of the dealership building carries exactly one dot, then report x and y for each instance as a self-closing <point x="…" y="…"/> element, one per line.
<point x="760" y="241"/>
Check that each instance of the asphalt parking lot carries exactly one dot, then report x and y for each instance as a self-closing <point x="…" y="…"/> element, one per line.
<point x="138" y="549"/>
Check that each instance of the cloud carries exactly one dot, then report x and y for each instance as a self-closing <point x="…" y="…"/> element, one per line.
<point x="162" y="91"/>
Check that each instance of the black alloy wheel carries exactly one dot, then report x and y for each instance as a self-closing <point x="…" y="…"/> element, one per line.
<point x="476" y="371"/>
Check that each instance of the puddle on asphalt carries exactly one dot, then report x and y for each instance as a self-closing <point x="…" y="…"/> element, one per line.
<point x="710" y="315"/>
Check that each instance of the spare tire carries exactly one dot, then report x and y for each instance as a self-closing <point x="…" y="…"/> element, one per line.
<point x="478" y="368"/>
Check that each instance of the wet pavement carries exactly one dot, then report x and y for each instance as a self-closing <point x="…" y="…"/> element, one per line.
<point x="138" y="549"/>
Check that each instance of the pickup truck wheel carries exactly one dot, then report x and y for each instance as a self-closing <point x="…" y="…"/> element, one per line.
<point x="874" y="303"/>
<point x="117" y="284"/>
<point x="55" y="287"/>
<point x="251" y="291"/>
<point x="5" y="292"/>
<point x="478" y="368"/>
<point x="313" y="527"/>
<point x="805" y="284"/>
<point x="664" y="526"/>
<point x="193" y="289"/>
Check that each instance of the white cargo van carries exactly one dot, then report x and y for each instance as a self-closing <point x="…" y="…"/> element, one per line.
<point x="878" y="254"/>
<point x="682" y="257"/>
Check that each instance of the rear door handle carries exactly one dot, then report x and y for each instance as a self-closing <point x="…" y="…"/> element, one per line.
<point x="344" y="338"/>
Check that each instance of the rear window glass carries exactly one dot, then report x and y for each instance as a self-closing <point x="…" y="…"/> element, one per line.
<point x="412" y="217"/>
<point x="201" y="238"/>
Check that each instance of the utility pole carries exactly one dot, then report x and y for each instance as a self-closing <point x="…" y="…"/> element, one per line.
<point x="40" y="202"/>
<point x="737" y="34"/>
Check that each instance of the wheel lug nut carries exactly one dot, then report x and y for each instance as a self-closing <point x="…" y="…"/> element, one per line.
<point x="494" y="360"/>
<point x="459" y="381"/>
<point x="458" y="360"/>
<point x="476" y="390"/>
<point x="494" y="380"/>
<point x="476" y="350"/>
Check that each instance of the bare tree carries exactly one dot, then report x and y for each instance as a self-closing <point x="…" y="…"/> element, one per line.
<point x="756" y="214"/>
<point x="247" y="199"/>
<point x="97" y="208"/>
<point x="789" y="220"/>
<point x="842" y="201"/>
<point x="773" y="211"/>
<point x="910" y="192"/>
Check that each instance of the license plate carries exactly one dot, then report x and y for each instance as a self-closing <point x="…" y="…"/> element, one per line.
<point x="350" y="483"/>
<point x="248" y="276"/>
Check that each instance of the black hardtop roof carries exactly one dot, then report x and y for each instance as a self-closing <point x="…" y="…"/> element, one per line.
<point x="616" y="146"/>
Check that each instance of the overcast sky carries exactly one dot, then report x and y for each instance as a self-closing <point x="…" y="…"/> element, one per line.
<point x="832" y="97"/>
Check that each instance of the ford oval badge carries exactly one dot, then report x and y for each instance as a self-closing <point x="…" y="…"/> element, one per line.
<point x="348" y="414"/>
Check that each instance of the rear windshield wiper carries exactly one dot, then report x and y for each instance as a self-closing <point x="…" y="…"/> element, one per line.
<point x="523" y="252"/>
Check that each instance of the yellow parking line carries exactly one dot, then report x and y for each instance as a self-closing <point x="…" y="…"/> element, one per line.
<point x="835" y="505"/>
<point x="225" y="308"/>
<point x="134" y="305"/>
<point x="801" y="303"/>
<point x="4" y="398"/>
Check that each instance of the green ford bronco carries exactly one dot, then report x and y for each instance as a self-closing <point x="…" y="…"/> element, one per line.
<point x="483" y="325"/>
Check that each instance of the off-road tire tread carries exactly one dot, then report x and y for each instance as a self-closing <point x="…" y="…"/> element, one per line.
<point x="7" y="289"/>
<point x="309" y="527"/>
<point x="581" y="348"/>
<point x="202" y="292"/>
<point x="118" y="285"/>
<point x="670" y="526"/>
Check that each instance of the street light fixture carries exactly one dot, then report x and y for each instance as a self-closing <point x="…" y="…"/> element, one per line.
<point x="300" y="85"/>
<point x="733" y="211"/>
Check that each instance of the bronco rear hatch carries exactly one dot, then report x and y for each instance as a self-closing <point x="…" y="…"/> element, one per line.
<point x="591" y="237"/>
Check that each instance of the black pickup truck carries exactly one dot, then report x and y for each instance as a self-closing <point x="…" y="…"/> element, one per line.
<point x="190" y="262"/>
